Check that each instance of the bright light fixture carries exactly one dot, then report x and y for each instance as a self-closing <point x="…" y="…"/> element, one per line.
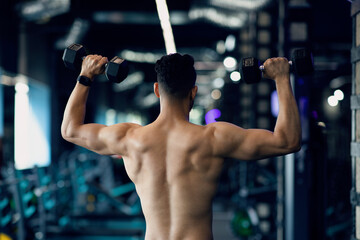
<point x="21" y="87"/>
<point x="339" y="95"/>
<point x="235" y="76"/>
<point x="332" y="101"/>
<point x="230" y="43"/>
<point x="216" y="94"/>
<point x="230" y="63"/>
<point x="21" y="130"/>
<point x="218" y="83"/>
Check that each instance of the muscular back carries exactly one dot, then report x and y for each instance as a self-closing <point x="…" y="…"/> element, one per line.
<point x="175" y="173"/>
<point x="174" y="164"/>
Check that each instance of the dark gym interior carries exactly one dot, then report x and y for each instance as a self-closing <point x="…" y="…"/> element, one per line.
<point x="52" y="189"/>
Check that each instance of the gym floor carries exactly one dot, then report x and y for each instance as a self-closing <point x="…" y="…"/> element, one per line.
<point x="51" y="189"/>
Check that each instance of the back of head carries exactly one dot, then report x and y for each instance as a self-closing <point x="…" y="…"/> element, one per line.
<point x="176" y="74"/>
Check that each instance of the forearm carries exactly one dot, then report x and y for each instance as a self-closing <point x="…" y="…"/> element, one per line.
<point x="288" y="126"/>
<point x="75" y="110"/>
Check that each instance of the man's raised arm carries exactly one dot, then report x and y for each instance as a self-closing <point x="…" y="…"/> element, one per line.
<point x="252" y="144"/>
<point x="95" y="137"/>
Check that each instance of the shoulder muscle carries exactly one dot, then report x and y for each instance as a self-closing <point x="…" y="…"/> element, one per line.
<point x="114" y="136"/>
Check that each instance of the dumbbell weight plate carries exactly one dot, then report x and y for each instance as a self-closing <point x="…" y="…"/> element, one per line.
<point x="116" y="70"/>
<point x="249" y="70"/>
<point x="73" y="56"/>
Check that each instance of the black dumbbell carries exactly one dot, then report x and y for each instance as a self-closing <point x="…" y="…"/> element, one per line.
<point x="301" y="64"/>
<point x="116" y="70"/>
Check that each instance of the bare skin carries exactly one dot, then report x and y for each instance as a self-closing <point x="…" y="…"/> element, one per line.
<point x="175" y="164"/>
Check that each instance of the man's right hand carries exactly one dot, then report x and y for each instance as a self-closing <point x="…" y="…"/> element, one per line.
<point x="276" y="68"/>
<point x="93" y="65"/>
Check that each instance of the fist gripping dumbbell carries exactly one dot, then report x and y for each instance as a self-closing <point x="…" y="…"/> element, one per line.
<point x="301" y="64"/>
<point x="116" y="70"/>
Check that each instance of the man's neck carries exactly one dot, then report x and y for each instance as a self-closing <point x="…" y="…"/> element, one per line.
<point x="174" y="109"/>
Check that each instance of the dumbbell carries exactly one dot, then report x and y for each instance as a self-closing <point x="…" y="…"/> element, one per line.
<point x="114" y="71"/>
<point x="301" y="64"/>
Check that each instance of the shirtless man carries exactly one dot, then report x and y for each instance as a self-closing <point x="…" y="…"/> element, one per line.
<point x="173" y="163"/>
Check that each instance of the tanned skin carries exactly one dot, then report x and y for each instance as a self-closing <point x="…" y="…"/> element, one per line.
<point x="175" y="164"/>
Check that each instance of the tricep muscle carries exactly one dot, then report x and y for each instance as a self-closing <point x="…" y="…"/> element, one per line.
<point x="100" y="138"/>
<point x="247" y="144"/>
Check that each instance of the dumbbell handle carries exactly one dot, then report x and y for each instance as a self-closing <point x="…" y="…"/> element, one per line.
<point x="106" y="64"/>
<point x="262" y="67"/>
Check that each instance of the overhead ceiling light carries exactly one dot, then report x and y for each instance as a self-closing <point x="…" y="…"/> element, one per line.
<point x="139" y="17"/>
<point x="164" y="17"/>
<point x="142" y="57"/>
<point x="39" y="10"/>
<point x="133" y="80"/>
<point x="76" y="33"/>
<point x="223" y="18"/>
<point x="149" y="101"/>
<point x="242" y="4"/>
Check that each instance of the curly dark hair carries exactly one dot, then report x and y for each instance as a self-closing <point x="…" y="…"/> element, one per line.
<point x="176" y="74"/>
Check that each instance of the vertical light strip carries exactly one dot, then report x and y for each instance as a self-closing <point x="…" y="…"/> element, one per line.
<point x="32" y="125"/>
<point x="1" y="107"/>
<point x="289" y="196"/>
<point x="21" y="129"/>
<point x="164" y="17"/>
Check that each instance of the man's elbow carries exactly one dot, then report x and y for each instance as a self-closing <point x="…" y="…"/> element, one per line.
<point x="294" y="146"/>
<point x="288" y="146"/>
<point x="290" y="143"/>
<point x="67" y="133"/>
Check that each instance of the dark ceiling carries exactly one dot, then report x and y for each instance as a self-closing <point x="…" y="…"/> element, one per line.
<point x="110" y="26"/>
<point x="134" y="24"/>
